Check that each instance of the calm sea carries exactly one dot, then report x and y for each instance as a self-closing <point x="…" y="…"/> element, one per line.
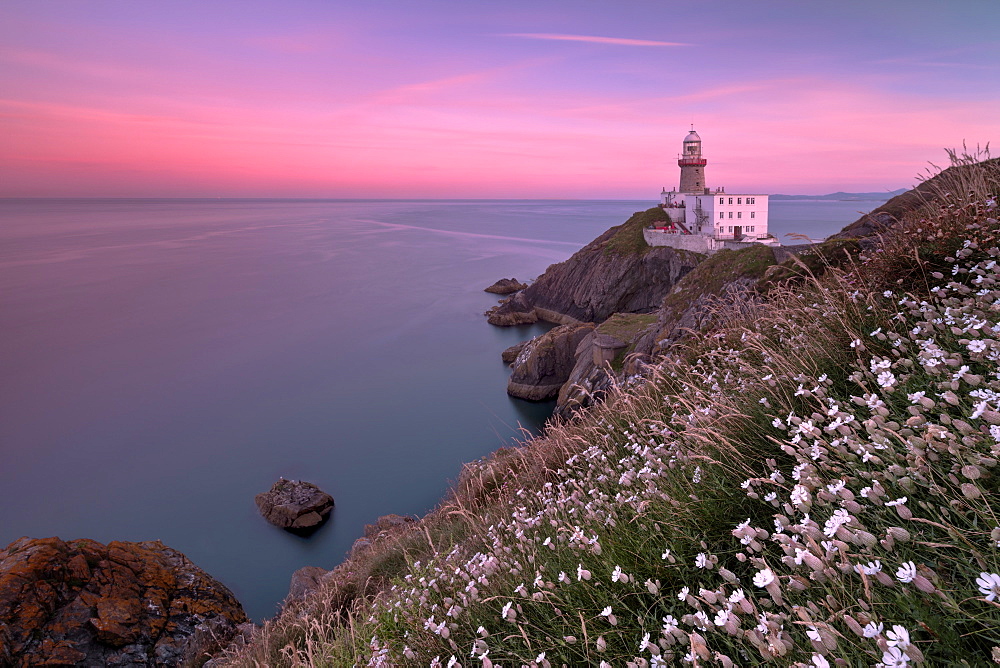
<point x="162" y="361"/>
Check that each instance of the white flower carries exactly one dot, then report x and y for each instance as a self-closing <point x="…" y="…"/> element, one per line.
<point x="540" y="658"/>
<point x="799" y="495"/>
<point x="873" y="630"/>
<point x="813" y="634"/>
<point x="894" y="658"/>
<point x="819" y="661"/>
<point x="897" y="502"/>
<point x="582" y="573"/>
<point x="721" y="617"/>
<point x="666" y="554"/>
<point x="683" y="593"/>
<point x="737" y="596"/>
<point x="764" y="577"/>
<point x="989" y="585"/>
<point x="616" y="575"/>
<point x="886" y="379"/>
<point x="976" y="346"/>
<point x="915" y="397"/>
<point x="906" y="572"/>
<point x="606" y="612"/>
<point x="701" y="561"/>
<point x="670" y="624"/>
<point x="871" y="568"/>
<point x="898" y="637"/>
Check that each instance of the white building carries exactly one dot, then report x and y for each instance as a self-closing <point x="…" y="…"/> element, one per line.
<point x="719" y="218"/>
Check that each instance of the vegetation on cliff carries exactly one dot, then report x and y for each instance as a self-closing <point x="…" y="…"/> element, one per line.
<point x="812" y="482"/>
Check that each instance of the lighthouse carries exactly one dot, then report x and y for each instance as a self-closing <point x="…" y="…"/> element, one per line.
<point x="705" y="220"/>
<point x="692" y="165"/>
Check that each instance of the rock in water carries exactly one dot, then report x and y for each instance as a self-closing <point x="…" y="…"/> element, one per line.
<point x="506" y="286"/>
<point x="295" y="505"/>
<point x="545" y="363"/>
<point x="126" y="604"/>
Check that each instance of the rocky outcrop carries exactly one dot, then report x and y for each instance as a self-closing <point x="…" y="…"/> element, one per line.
<point x="506" y="286"/>
<point x="615" y="273"/>
<point x="294" y="505"/>
<point x="510" y="354"/>
<point x="544" y="365"/>
<point x="122" y="604"/>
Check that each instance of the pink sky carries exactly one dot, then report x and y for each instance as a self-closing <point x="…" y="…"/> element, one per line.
<point x="457" y="99"/>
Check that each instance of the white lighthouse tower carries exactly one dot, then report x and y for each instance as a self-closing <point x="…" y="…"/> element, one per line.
<point x="692" y="165"/>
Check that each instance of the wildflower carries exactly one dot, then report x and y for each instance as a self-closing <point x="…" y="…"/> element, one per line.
<point x="737" y="596"/>
<point x="701" y="561"/>
<point x="894" y="658"/>
<point x="976" y="346"/>
<point x="871" y="568"/>
<point x="813" y="634"/>
<point x="989" y="585"/>
<point x="906" y="572"/>
<point x="540" y="658"/>
<point x="886" y="379"/>
<point x="897" y="502"/>
<point x="763" y="578"/>
<point x="819" y="661"/>
<point x="670" y="624"/>
<point x="666" y="554"/>
<point x="683" y="593"/>
<point x="582" y="573"/>
<point x="873" y="630"/>
<point x="898" y="637"/>
<point x="606" y="612"/>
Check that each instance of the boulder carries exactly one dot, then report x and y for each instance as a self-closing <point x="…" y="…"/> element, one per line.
<point x="506" y="286"/>
<point x="544" y="365"/>
<point x="305" y="580"/>
<point x="84" y="603"/>
<point x="295" y="505"/>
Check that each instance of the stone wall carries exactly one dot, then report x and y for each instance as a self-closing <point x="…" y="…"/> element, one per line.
<point x="697" y="243"/>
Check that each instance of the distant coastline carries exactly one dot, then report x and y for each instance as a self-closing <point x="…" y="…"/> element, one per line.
<point x="846" y="197"/>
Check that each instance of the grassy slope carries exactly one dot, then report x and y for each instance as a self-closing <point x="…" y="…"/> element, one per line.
<point x="852" y="421"/>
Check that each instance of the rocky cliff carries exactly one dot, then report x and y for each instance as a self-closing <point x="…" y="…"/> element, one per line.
<point x="121" y="604"/>
<point x="615" y="273"/>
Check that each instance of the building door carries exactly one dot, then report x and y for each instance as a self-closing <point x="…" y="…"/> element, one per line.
<point x="738" y="232"/>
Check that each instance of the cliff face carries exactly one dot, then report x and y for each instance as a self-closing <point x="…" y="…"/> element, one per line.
<point x="131" y="604"/>
<point x="612" y="274"/>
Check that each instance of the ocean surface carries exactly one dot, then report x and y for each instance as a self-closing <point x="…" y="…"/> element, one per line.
<point x="163" y="361"/>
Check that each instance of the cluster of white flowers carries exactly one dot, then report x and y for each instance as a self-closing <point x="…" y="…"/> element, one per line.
<point x="598" y="555"/>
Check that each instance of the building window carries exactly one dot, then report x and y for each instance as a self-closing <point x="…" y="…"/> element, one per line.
<point x="730" y="200"/>
<point x="750" y="200"/>
<point x="753" y="214"/>
<point x="730" y="214"/>
<point x="739" y="214"/>
<point x="722" y="214"/>
<point x="722" y="200"/>
<point x="739" y="200"/>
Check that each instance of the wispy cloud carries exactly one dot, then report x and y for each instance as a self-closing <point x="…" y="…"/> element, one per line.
<point x="594" y="39"/>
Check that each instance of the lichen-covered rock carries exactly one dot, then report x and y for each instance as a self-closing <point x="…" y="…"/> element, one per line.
<point x="506" y="286"/>
<point x="545" y="363"/>
<point x="294" y="505"/>
<point x="127" y="604"/>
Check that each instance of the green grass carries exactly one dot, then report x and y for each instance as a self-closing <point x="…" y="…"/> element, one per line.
<point x="628" y="238"/>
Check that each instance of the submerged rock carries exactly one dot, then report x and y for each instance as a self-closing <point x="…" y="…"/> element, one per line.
<point x="295" y="505"/>
<point x="84" y="603"/>
<point x="506" y="286"/>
